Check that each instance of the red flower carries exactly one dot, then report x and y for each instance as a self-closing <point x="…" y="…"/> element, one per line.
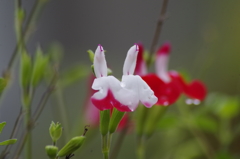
<point x="168" y="86"/>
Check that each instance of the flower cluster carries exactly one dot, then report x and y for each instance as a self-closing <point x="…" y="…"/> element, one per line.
<point x="168" y="85"/>
<point x="124" y="95"/>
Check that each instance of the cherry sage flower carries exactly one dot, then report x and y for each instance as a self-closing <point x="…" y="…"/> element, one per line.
<point x="168" y="86"/>
<point x="140" y="91"/>
<point x="125" y="95"/>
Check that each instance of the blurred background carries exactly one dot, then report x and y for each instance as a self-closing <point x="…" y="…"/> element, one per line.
<point x="205" y="39"/>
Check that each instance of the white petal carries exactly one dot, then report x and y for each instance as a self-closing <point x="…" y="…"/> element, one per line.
<point x="140" y="91"/>
<point x="100" y="65"/>
<point x="162" y="67"/>
<point x="104" y="84"/>
<point x="130" y="61"/>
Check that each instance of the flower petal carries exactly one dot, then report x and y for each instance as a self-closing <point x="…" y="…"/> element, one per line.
<point x="100" y="64"/>
<point x="135" y="90"/>
<point x="141" y="68"/>
<point x="106" y="86"/>
<point x="130" y="61"/>
<point x="196" y="89"/>
<point x="162" y="62"/>
<point x="167" y="93"/>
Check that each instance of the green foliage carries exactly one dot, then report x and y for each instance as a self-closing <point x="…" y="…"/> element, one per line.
<point x="55" y="131"/>
<point x="2" y="125"/>
<point x="40" y="64"/>
<point x="207" y="124"/>
<point x="91" y="55"/>
<point x="8" y="142"/>
<point x="74" y="144"/>
<point x="25" y="70"/>
<point x="115" y="120"/>
<point x="168" y="121"/>
<point x="73" y="75"/>
<point x="3" y="84"/>
<point x="51" y="151"/>
<point x="224" y="106"/>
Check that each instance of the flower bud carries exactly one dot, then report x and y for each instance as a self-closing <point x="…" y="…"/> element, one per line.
<point x="51" y="151"/>
<point x="55" y="131"/>
<point x="74" y="144"/>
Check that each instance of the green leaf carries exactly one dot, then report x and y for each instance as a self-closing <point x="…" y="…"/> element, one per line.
<point x="91" y="55"/>
<point x="25" y="70"/>
<point x="8" y="142"/>
<point x="40" y="65"/>
<point x="73" y="75"/>
<point x="3" y="84"/>
<point x="2" y="125"/>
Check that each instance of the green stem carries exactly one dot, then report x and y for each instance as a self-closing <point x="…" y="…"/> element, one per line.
<point x="28" y="146"/>
<point x="141" y="148"/>
<point x="105" y="144"/>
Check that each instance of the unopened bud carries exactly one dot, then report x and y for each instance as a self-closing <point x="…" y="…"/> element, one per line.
<point x="51" y="151"/>
<point x="55" y="131"/>
<point x="74" y="144"/>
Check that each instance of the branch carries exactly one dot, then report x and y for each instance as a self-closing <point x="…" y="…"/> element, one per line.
<point x="156" y="35"/>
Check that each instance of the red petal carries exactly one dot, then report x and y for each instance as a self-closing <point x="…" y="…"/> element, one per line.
<point x="196" y="89"/>
<point x="104" y="103"/>
<point x="167" y="93"/>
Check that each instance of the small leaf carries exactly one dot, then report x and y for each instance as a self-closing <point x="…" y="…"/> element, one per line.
<point x="25" y="70"/>
<point x="3" y="84"/>
<point x="40" y="64"/>
<point x="91" y="55"/>
<point x="8" y="142"/>
<point x="2" y="125"/>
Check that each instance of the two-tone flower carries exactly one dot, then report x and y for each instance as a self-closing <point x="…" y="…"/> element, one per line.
<point x="124" y="95"/>
<point x="168" y="85"/>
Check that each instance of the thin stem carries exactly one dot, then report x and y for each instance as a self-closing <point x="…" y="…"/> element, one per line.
<point x="156" y="36"/>
<point x="105" y="148"/>
<point x="38" y="5"/>
<point x="141" y="148"/>
<point x="13" y="133"/>
<point x="36" y="115"/>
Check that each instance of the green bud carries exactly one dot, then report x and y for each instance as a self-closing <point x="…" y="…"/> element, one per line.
<point x="51" y="151"/>
<point x="74" y="144"/>
<point x="55" y="131"/>
<point x="91" y="55"/>
<point x="40" y="64"/>
<point x="25" y="70"/>
<point x="115" y="120"/>
<point x="104" y="121"/>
